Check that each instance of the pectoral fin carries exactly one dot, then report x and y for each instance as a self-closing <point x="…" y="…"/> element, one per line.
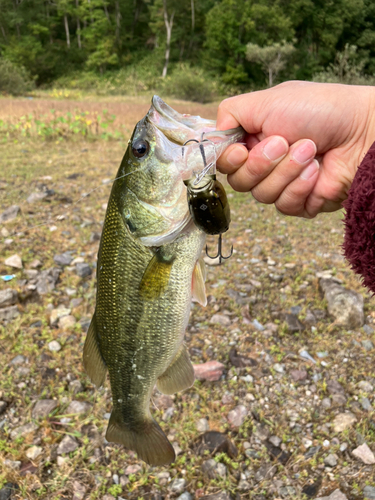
<point x="179" y="375"/>
<point x="198" y="283"/>
<point x="156" y="277"/>
<point x="93" y="361"/>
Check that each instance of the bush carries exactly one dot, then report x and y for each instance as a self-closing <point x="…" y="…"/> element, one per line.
<point x="191" y="84"/>
<point x="14" y="79"/>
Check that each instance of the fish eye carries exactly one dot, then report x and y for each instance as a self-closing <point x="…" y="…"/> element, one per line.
<point x="140" y="148"/>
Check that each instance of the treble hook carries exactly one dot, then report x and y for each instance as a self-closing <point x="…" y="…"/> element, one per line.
<point x="219" y="251"/>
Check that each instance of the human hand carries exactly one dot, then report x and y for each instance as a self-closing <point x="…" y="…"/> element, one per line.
<point x="288" y="126"/>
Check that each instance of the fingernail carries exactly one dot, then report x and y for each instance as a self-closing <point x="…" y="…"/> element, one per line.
<point x="304" y="152"/>
<point x="275" y="149"/>
<point x="237" y="156"/>
<point x="310" y="170"/>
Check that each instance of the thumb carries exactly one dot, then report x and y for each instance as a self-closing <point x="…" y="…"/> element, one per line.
<point x="248" y="110"/>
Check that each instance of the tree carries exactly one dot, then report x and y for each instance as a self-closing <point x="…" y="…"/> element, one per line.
<point x="273" y="58"/>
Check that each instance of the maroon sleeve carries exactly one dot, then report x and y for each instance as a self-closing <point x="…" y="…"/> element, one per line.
<point x="359" y="241"/>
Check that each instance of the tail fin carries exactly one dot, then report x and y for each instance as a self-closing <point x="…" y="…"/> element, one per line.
<point x="148" y="440"/>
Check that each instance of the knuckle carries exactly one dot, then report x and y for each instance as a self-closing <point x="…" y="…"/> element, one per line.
<point x="262" y="196"/>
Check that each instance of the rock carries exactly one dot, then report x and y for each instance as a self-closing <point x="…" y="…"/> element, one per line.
<point x="214" y="469"/>
<point x="202" y="425"/>
<point x="279" y="368"/>
<point x="237" y="416"/>
<point x="58" y="313"/>
<point x="369" y="492"/>
<point x="240" y="361"/>
<point x="214" y="442"/>
<point x="8" y="297"/>
<point x="163" y="401"/>
<point x="54" y="346"/>
<point x="335" y="387"/>
<point x="78" y="407"/>
<point x="168" y="414"/>
<point x="223" y="495"/>
<point x="293" y="323"/>
<point x="13" y="464"/>
<point x="132" y="469"/>
<point x="46" y="281"/>
<point x="75" y="386"/>
<point x="364" y="453"/>
<point x="227" y="399"/>
<point x="37" y="196"/>
<point x="367" y="345"/>
<point x="67" y="445"/>
<point x="23" y="430"/>
<point x="177" y="485"/>
<point x="3" y="406"/>
<point x="220" y="319"/>
<point x="366" y="405"/>
<point x="298" y="375"/>
<point x="346" y="306"/>
<point x="365" y="386"/>
<point x="44" y="407"/>
<point x="9" y="214"/>
<point x="7" y="491"/>
<point x="67" y="322"/>
<point x="211" y="370"/>
<point x="330" y="460"/>
<point x="35" y="264"/>
<point x="63" y="259"/>
<point x="9" y="313"/>
<point x="19" y="360"/>
<point x="108" y="497"/>
<point x="14" y="261"/>
<point x="83" y="270"/>
<point x="34" y="452"/>
<point x="326" y="403"/>
<point x="266" y="471"/>
<point x="79" y="491"/>
<point x="336" y="495"/>
<point x="185" y="496"/>
<point x="343" y="421"/>
<point x="275" y="440"/>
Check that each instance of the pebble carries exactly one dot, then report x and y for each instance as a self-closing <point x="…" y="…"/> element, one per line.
<point x="305" y="355"/>
<point x="278" y="368"/>
<point x="293" y="324"/>
<point x="34" y="452"/>
<point x="185" y="496"/>
<point x="58" y="313"/>
<point x="37" y="196"/>
<point x="9" y="214"/>
<point x="213" y="469"/>
<point x="266" y="471"/>
<point x="79" y="491"/>
<point x="227" y="399"/>
<point x="63" y="259"/>
<point x="220" y="319"/>
<point x="330" y="460"/>
<point x="258" y="326"/>
<point x="177" y="485"/>
<point x="243" y="486"/>
<point x="8" y="297"/>
<point x="365" y="386"/>
<point x="366" y="405"/>
<point x="7" y="491"/>
<point x="75" y="386"/>
<point x="19" y="360"/>
<point x="83" y="270"/>
<point x="237" y="416"/>
<point x="326" y="403"/>
<point x="364" y="453"/>
<point x="343" y="421"/>
<point x="298" y="375"/>
<point x="54" y="346"/>
<point x="346" y="306"/>
<point x="44" y="407"/>
<point x="211" y="370"/>
<point x="8" y="313"/>
<point x="369" y="492"/>
<point x="78" y="407"/>
<point x="336" y="495"/>
<point x="343" y="447"/>
<point x="67" y="445"/>
<point x="275" y="440"/>
<point x="367" y="345"/>
<point x="14" y="261"/>
<point x="23" y="430"/>
<point x="67" y="322"/>
<point x="168" y="414"/>
<point x="132" y="469"/>
<point x="202" y="425"/>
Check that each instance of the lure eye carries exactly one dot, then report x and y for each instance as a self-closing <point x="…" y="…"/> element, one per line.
<point x="140" y="148"/>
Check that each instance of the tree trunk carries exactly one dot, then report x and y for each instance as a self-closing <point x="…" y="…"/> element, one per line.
<point x="106" y="11"/>
<point x="78" y="29"/>
<point x="168" y="27"/>
<point x="67" y="30"/>
<point x="3" y="32"/>
<point x="118" y="21"/>
<point x="192" y="16"/>
<point x="136" y="16"/>
<point x="270" y="76"/>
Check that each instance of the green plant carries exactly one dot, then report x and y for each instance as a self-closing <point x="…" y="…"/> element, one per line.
<point x="14" y="79"/>
<point x="191" y="84"/>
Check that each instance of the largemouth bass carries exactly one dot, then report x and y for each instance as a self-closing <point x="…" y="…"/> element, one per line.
<point x="148" y="269"/>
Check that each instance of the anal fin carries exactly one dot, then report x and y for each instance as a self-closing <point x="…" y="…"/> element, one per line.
<point x="93" y="361"/>
<point x="145" y="438"/>
<point x="179" y="375"/>
<point x="198" y="283"/>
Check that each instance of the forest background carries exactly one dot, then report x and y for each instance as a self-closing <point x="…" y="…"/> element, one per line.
<point x="193" y="49"/>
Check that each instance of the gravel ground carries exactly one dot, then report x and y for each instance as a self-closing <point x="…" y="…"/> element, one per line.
<point x="284" y="398"/>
